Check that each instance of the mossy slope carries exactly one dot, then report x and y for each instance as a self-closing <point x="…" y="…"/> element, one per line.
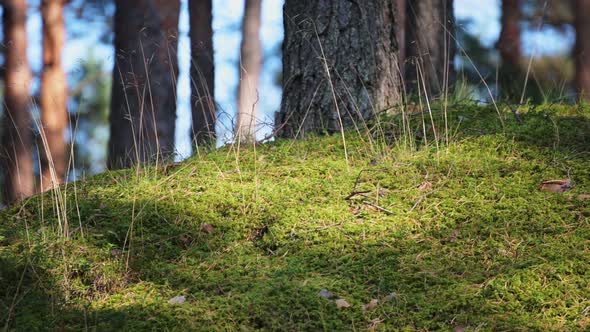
<point x="482" y="248"/>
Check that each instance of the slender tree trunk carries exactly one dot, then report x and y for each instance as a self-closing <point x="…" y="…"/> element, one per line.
<point x="17" y="139"/>
<point x="510" y="50"/>
<point x="430" y="44"/>
<point x="340" y="61"/>
<point x="250" y="63"/>
<point x="582" y="48"/>
<point x="202" y="71"/>
<point x="143" y="102"/>
<point x="54" y="115"/>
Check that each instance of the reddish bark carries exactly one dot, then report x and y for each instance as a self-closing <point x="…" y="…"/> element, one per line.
<point x="53" y="95"/>
<point x="509" y="46"/>
<point x="509" y="41"/>
<point x="17" y="140"/>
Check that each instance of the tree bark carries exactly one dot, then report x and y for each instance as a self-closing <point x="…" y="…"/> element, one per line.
<point x="582" y="48"/>
<point x="509" y="46"/>
<point x="250" y="63"/>
<point x="54" y="115"/>
<point x="340" y="61"/>
<point x="401" y="34"/>
<point x="202" y="72"/>
<point x="17" y="138"/>
<point x="430" y="46"/>
<point x="143" y="102"/>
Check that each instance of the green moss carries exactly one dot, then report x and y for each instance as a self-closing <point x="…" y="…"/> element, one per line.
<point x="483" y="248"/>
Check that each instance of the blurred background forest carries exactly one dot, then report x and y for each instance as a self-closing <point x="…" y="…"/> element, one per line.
<point x="543" y="32"/>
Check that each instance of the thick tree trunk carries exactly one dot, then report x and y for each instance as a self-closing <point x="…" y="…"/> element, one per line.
<point x="401" y="34"/>
<point x="17" y="139"/>
<point x="339" y="64"/>
<point x="430" y="46"/>
<point x="582" y="48"/>
<point x="250" y="63"/>
<point x="54" y="115"/>
<point x="509" y="46"/>
<point x="202" y="71"/>
<point x="143" y="102"/>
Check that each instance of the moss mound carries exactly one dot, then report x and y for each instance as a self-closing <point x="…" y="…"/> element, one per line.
<point x="442" y="235"/>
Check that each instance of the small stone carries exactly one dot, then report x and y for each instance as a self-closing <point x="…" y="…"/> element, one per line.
<point x="326" y="294"/>
<point x="177" y="300"/>
<point x="391" y="296"/>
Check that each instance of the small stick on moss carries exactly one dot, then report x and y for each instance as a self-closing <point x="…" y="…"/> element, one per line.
<point x="420" y="199"/>
<point x="382" y="209"/>
<point x="357" y="193"/>
<point x="516" y="113"/>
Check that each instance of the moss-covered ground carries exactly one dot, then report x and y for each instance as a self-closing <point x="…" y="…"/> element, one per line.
<point x="447" y="236"/>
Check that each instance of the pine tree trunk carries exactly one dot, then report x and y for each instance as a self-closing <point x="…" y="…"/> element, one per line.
<point x="143" y="102"/>
<point x="53" y="96"/>
<point x="401" y="34"/>
<point x="202" y="71"/>
<point x="17" y="139"/>
<point x="509" y="46"/>
<point x="250" y="63"/>
<point x="582" y="48"/>
<point x="430" y="46"/>
<point x="340" y="61"/>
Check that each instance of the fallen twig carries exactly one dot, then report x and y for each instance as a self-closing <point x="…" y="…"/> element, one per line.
<point x="382" y="209"/>
<point x="516" y="113"/>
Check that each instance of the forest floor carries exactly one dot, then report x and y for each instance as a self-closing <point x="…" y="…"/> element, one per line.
<point x="398" y="232"/>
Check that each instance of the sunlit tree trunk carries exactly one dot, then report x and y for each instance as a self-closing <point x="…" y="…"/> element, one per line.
<point x="509" y="46"/>
<point x="250" y="63"/>
<point x="582" y="48"/>
<point x="340" y="64"/>
<point x="143" y="102"/>
<point x="16" y="143"/>
<point x="430" y="46"/>
<point x="53" y="96"/>
<point x="202" y="72"/>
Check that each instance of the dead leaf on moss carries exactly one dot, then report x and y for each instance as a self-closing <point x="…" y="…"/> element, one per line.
<point x="355" y="210"/>
<point x="426" y="185"/>
<point x="207" y="228"/>
<point x="556" y="186"/>
<point x="371" y="305"/>
<point x="459" y="328"/>
<point x="374" y="324"/>
<point x="341" y="304"/>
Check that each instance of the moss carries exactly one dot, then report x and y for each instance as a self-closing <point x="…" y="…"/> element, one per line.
<point x="482" y="248"/>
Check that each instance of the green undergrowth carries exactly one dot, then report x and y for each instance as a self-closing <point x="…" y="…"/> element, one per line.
<point x="445" y="236"/>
